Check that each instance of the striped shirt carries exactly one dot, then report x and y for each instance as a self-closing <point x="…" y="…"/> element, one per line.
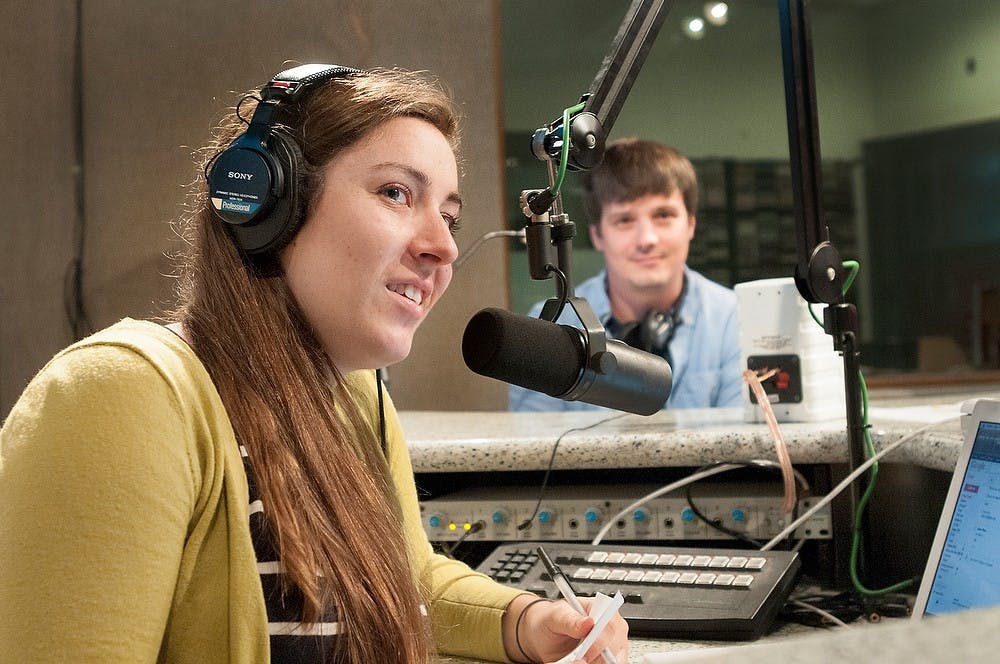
<point x="291" y="640"/>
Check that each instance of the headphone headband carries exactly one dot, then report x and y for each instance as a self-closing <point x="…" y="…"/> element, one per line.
<point x="289" y="84"/>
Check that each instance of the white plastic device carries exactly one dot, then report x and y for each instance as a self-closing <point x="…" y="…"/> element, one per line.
<point x="778" y="332"/>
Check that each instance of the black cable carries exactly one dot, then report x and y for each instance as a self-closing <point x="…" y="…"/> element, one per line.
<point x="207" y="167"/>
<point x="735" y="534"/>
<point x="473" y="528"/>
<point x="847" y="606"/>
<point x="563" y="290"/>
<point x="381" y="413"/>
<point x="524" y="525"/>
<point x="76" y="314"/>
<point x="718" y="526"/>
<point x="239" y="107"/>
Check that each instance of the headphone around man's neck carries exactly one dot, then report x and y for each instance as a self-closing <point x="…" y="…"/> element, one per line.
<point x="655" y="330"/>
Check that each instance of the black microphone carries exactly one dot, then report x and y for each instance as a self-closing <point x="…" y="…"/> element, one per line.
<point x="556" y="359"/>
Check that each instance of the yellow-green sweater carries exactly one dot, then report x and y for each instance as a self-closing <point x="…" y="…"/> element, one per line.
<point x="124" y="533"/>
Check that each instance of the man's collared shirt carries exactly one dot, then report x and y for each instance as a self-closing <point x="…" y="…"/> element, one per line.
<point x="704" y="351"/>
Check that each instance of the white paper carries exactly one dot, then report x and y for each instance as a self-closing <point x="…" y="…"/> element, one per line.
<point x="602" y="610"/>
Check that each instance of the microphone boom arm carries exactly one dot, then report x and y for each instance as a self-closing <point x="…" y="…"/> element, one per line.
<point x="819" y="272"/>
<point x="589" y="124"/>
<point x="619" y="70"/>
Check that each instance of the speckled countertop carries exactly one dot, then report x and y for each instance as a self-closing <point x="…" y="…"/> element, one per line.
<point x="497" y="441"/>
<point x="959" y="637"/>
<point x="968" y="636"/>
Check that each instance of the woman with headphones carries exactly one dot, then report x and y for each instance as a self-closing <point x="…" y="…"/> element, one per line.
<point x="233" y="485"/>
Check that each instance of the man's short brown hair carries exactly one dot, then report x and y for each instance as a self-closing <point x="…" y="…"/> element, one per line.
<point x="634" y="167"/>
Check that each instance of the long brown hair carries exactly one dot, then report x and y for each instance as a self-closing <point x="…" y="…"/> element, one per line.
<point x="319" y="463"/>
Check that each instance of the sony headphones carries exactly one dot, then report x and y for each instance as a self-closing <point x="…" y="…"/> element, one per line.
<point x="253" y="184"/>
<point x="652" y="333"/>
<point x="657" y="329"/>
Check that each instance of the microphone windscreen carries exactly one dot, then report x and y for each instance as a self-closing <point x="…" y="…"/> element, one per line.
<point x="533" y="353"/>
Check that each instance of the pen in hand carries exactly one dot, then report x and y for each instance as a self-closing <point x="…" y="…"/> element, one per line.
<point x="566" y="590"/>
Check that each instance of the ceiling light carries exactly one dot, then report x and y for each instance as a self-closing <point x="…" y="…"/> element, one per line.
<point x="717" y="13"/>
<point x="694" y="27"/>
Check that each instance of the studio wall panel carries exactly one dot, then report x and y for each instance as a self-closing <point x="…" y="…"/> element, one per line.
<point x="156" y="77"/>
<point x="38" y="143"/>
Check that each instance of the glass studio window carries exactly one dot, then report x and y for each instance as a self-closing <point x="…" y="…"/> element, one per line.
<point x="909" y="119"/>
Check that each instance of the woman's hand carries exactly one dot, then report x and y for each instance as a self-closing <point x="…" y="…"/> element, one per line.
<point x="544" y="631"/>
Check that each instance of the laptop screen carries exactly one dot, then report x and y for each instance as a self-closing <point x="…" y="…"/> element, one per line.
<point x="968" y="571"/>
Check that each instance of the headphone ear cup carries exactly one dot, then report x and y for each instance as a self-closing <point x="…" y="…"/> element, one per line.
<point x="289" y="210"/>
<point x="276" y="227"/>
<point x="656" y="330"/>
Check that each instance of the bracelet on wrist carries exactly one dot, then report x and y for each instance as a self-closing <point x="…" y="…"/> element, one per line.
<point x="517" y="627"/>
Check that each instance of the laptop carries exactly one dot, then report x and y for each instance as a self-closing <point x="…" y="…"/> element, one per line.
<point x="963" y="568"/>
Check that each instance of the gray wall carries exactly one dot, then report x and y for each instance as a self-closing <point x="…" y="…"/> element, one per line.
<point x="156" y="77"/>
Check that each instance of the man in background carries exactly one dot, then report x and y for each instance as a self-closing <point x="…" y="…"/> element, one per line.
<point x="643" y="200"/>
